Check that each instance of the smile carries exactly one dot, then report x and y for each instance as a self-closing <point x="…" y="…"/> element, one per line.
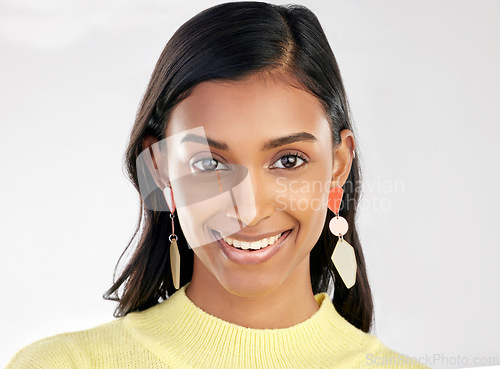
<point x="255" y="251"/>
<point x="256" y="245"/>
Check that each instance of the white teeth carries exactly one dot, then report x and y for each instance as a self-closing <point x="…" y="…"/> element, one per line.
<point x="252" y="245"/>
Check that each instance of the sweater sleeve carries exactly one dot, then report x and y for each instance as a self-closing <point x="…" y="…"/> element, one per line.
<point x="56" y="352"/>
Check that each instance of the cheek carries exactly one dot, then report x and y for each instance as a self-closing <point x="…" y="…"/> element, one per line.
<point x="306" y="193"/>
<point x="305" y="201"/>
<point x="189" y="225"/>
<point x="207" y="212"/>
<point x="193" y="219"/>
<point x="301" y="200"/>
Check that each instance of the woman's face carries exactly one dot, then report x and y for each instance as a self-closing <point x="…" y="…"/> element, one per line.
<point x="264" y="169"/>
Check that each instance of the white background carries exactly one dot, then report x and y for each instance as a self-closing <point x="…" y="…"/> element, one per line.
<point x="422" y="78"/>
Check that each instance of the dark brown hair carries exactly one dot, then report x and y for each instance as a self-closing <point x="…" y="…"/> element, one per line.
<point x="228" y="42"/>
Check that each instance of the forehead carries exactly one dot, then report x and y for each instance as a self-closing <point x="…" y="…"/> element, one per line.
<point x="255" y="105"/>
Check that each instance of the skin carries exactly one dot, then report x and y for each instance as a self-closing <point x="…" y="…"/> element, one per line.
<point x="244" y="115"/>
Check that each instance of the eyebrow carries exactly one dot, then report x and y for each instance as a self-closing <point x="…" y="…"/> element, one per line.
<point x="271" y="144"/>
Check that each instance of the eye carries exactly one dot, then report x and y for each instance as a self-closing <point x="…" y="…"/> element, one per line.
<point x="209" y="164"/>
<point x="290" y="161"/>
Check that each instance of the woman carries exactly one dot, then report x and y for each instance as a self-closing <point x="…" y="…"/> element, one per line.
<point x="244" y="155"/>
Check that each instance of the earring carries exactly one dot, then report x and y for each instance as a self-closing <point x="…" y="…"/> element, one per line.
<point x="343" y="256"/>
<point x="175" y="257"/>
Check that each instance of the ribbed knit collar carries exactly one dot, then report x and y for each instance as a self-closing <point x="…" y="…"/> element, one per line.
<point x="181" y="333"/>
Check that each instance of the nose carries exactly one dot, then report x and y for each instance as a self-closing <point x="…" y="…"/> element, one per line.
<point x="252" y="199"/>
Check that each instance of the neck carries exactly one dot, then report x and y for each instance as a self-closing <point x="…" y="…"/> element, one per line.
<point x="284" y="306"/>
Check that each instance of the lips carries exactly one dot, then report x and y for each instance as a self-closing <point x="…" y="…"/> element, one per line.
<point x="254" y="245"/>
<point x="251" y="257"/>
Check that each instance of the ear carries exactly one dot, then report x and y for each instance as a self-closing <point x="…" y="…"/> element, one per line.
<point x="155" y="161"/>
<point x="343" y="156"/>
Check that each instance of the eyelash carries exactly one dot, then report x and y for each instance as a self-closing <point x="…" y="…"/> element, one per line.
<point x="295" y="154"/>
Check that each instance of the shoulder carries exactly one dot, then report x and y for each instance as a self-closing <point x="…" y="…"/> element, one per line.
<point x="362" y="349"/>
<point x="60" y="351"/>
<point x="382" y="356"/>
<point x="70" y="350"/>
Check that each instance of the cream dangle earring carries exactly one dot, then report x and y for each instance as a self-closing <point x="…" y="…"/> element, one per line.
<point x="175" y="257"/>
<point x="343" y="256"/>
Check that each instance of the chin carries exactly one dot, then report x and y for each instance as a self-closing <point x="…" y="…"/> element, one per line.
<point x="246" y="285"/>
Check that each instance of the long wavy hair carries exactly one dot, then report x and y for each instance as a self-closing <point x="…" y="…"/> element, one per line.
<point x="229" y="42"/>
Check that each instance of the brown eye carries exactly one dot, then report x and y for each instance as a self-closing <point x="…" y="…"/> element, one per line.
<point x="290" y="161"/>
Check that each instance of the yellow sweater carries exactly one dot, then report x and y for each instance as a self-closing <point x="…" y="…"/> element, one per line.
<point x="178" y="334"/>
